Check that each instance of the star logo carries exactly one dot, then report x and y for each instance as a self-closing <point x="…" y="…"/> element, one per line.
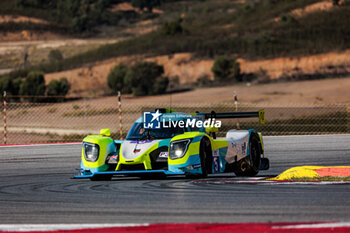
<point x="156" y="116"/>
<point x="151" y="120"/>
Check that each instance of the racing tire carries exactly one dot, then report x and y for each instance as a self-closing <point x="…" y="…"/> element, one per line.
<point x="205" y="156"/>
<point x="250" y="165"/>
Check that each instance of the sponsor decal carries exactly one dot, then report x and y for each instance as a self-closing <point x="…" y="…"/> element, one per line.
<point x="114" y="157"/>
<point x="163" y="155"/>
<point x="216" y="164"/>
<point x="216" y="161"/>
<point x="142" y="142"/>
<point x="137" y="150"/>
<point x="244" y="147"/>
<point x="195" y="166"/>
<point x="155" y="120"/>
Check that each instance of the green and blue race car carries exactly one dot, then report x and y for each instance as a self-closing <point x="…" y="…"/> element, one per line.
<point x="165" y="143"/>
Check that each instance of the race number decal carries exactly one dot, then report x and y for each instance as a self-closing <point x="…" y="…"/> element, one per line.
<point x="216" y="161"/>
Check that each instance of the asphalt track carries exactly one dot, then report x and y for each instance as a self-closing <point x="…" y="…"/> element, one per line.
<point x="35" y="187"/>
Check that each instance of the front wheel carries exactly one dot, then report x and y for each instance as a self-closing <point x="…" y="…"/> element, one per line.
<point x="250" y="165"/>
<point x="205" y="159"/>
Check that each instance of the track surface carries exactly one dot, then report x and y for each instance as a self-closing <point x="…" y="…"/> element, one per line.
<point x="35" y="187"/>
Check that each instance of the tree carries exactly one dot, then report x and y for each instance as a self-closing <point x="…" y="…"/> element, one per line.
<point x="115" y="79"/>
<point x="149" y="4"/>
<point x="145" y="78"/>
<point x="226" y="68"/>
<point x="33" y="85"/>
<point x="11" y="86"/>
<point x="58" y="88"/>
<point x="5" y="85"/>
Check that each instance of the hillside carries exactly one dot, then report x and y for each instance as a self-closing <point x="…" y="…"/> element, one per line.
<point x="302" y="38"/>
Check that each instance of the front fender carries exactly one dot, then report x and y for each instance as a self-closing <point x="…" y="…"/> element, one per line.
<point x="190" y="163"/>
<point x="106" y="146"/>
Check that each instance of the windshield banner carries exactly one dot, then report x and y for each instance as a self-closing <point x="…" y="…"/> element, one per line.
<point x="157" y="120"/>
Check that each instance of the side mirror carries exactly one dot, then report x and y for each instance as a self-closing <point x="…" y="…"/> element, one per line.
<point x="105" y="132"/>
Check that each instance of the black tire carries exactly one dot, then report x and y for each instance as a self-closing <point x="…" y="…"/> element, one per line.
<point x="205" y="155"/>
<point x="250" y="165"/>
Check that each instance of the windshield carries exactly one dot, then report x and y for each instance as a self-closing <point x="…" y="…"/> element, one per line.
<point x="138" y="132"/>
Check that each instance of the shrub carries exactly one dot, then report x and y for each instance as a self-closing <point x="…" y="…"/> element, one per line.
<point x="58" y="88"/>
<point x="144" y="78"/>
<point x="160" y="85"/>
<point x="55" y="55"/>
<point x="204" y="81"/>
<point x="8" y="85"/>
<point x="115" y="79"/>
<point x="33" y="85"/>
<point x="149" y="4"/>
<point x="226" y="68"/>
<point x="172" y="28"/>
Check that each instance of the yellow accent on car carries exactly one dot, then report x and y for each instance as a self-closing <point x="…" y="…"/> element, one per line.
<point x="261" y="140"/>
<point x="262" y="117"/>
<point x="103" y="143"/>
<point x="143" y="159"/>
<point x="219" y="143"/>
<point x="193" y="148"/>
<point x="211" y="129"/>
<point x="105" y="132"/>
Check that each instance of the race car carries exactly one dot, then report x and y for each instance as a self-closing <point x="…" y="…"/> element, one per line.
<point x="165" y="142"/>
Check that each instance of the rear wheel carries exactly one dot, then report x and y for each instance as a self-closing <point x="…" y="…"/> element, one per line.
<point x="250" y="165"/>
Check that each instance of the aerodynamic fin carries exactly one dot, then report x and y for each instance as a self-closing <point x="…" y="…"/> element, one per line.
<point x="228" y="115"/>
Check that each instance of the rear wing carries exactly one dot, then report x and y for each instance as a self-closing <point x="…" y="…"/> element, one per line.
<point x="225" y="115"/>
<point x="230" y="115"/>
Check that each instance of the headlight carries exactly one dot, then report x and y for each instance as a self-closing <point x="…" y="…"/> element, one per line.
<point x="91" y="151"/>
<point x="178" y="148"/>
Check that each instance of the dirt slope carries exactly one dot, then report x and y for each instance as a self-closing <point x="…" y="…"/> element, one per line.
<point x="92" y="79"/>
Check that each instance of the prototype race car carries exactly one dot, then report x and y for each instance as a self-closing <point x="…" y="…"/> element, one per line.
<point x="165" y="142"/>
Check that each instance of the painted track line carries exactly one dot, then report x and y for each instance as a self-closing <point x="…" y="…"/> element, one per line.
<point x="334" y="227"/>
<point x="40" y="144"/>
<point x="316" y="225"/>
<point x="59" y="227"/>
